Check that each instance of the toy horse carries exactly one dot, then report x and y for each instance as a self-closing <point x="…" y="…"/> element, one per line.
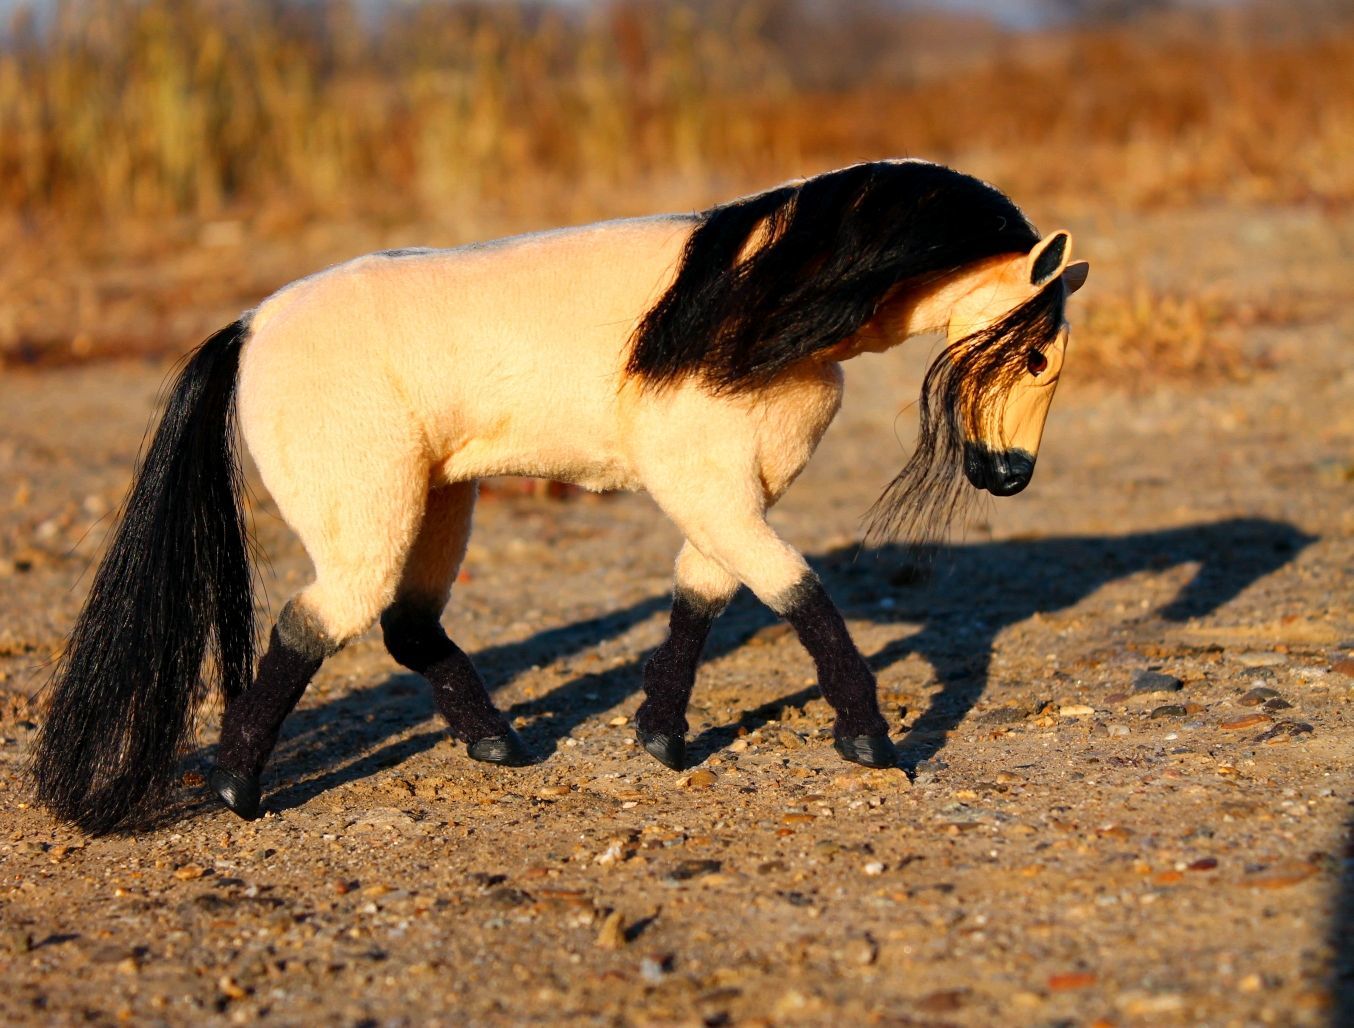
<point x="693" y="356"/>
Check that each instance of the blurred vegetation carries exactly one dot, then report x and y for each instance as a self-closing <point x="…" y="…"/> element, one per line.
<point x="122" y="121"/>
<point x="148" y="107"/>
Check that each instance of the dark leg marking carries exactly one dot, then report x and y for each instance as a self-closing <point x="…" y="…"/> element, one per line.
<point x="415" y="638"/>
<point x="848" y="684"/>
<point x="296" y="649"/>
<point x="669" y="675"/>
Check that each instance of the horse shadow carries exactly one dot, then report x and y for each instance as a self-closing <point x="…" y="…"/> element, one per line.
<point x="964" y="596"/>
<point x="1342" y="933"/>
<point x="972" y="593"/>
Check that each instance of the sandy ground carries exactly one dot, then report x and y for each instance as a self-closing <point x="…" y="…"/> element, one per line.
<point x="1123" y="701"/>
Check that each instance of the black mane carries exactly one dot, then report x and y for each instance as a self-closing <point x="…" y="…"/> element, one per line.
<point x="817" y="258"/>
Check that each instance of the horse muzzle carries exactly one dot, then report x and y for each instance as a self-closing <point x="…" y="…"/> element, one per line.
<point x="1001" y="474"/>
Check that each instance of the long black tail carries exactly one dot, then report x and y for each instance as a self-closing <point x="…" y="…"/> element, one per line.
<point x="174" y="583"/>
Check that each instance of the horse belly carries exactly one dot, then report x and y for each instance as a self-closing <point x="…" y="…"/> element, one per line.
<point x="488" y="456"/>
<point x="538" y="425"/>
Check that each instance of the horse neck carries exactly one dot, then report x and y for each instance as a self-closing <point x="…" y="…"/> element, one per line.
<point x="917" y="310"/>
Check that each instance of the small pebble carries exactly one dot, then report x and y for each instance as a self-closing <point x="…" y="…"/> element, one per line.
<point x="873" y="868"/>
<point x="1170" y="710"/>
<point x="1001" y="716"/>
<point x="1118" y="729"/>
<point x="231" y="988"/>
<point x="1147" y="1005"/>
<point x="863" y="951"/>
<point x="699" y="779"/>
<point x="1258" y="696"/>
<point x="1280" y="875"/>
<point x="946" y="1001"/>
<point x="612" y="933"/>
<point x="790" y="740"/>
<point x="1075" y="710"/>
<point x="1155" y="681"/>
<point x="1255" y="659"/>
<point x="1284" y="731"/>
<point x="17" y="941"/>
<point x="653" y="969"/>
<point x="614" y="853"/>
<point x="1071" y="980"/>
<point x="689" y="869"/>
<point x="931" y="768"/>
<point x="1249" y="721"/>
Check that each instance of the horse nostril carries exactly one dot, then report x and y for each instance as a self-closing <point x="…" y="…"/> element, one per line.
<point x="1014" y="469"/>
<point x="1001" y="474"/>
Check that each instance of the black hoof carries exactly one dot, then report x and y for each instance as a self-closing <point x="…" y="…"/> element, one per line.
<point x="239" y="793"/>
<point x="668" y="750"/>
<point x="507" y="750"/>
<point x="867" y="750"/>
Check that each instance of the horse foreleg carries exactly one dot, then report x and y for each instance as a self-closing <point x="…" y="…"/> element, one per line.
<point x="701" y="591"/>
<point x="728" y="525"/>
<point x="860" y="732"/>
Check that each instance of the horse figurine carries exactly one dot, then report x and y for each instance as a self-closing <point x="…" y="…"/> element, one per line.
<point x="696" y="356"/>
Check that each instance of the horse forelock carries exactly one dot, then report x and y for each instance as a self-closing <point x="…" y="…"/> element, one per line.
<point x="962" y="397"/>
<point x="771" y="279"/>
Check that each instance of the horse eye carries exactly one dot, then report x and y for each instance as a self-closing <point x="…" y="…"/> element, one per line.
<point x="1038" y="363"/>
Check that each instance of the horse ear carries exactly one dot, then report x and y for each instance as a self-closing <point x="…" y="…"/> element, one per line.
<point x="1049" y="258"/>
<point x="1075" y="276"/>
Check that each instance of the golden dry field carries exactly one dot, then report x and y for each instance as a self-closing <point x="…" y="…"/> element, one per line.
<point x="163" y="165"/>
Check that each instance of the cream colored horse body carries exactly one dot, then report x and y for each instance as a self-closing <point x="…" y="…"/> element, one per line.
<point x="695" y="357"/>
<point x="505" y="359"/>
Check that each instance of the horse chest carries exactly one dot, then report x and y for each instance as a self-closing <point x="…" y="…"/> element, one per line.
<point x="792" y="422"/>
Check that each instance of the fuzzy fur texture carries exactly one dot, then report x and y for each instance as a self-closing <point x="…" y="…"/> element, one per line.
<point x="670" y="671"/>
<point x="846" y="680"/>
<point x="253" y="719"/>
<point x="453" y="372"/>
<point x="695" y="357"/>
<point x="414" y="637"/>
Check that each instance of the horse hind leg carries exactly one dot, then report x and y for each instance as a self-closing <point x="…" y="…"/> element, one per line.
<point x="297" y="647"/>
<point x="415" y="638"/>
<point x="357" y="528"/>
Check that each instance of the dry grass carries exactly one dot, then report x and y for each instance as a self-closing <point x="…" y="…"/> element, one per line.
<point x="1134" y="335"/>
<point x="163" y="162"/>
